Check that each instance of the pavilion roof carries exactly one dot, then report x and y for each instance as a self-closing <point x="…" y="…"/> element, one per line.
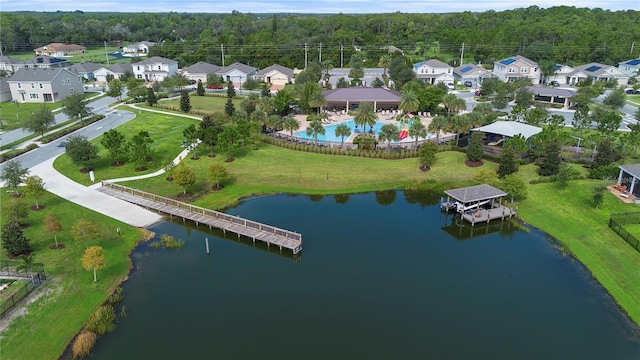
<point x="475" y="193"/>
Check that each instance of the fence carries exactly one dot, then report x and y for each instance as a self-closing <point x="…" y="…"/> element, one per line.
<point x="21" y="292"/>
<point x="617" y="223"/>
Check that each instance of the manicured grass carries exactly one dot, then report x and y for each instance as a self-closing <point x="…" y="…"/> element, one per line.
<point x="95" y="55"/>
<point x="633" y="229"/>
<point x="570" y="217"/>
<point x="69" y="296"/>
<point x="210" y="104"/>
<point x="166" y="132"/>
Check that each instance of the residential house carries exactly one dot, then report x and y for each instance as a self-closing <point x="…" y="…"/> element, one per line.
<point x="471" y="72"/>
<point x="237" y="73"/>
<point x="138" y="49"/>
<point x="561" y="74"/>
<point x="116" y="71"/>
<point x="5" y="91"/>
<point x="58" y="49"/>
<point x="433" y="71"/>
<point x="276" y="75"/>
<point x="11" y="65"/>
<point x="86" y="69"/>
<point x="517" y="67"/>
<point x="44" y="85"/>
<point x="46" y="62"/>
<point x="630" y="67"/>
<point x="599" y="72"/>
<point x="199" y="71"/>
<point x="155" y="68"/>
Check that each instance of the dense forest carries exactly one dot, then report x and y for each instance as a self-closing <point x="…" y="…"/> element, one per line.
<point x="563" y="34"/>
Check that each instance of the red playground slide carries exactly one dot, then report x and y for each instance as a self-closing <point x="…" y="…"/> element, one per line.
<point x="403" y="134"/>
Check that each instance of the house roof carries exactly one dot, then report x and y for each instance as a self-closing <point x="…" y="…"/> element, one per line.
<point x="361" y="94"/>
<point x="4" y="86"/>
<point x="432" y="63"/>
<point x="469" y="69"/>
<point x="634" y="62"/>
<point x="202" y="68"/>
<point x="633" y="169"/>
<point x="276" y="67"/>
<point x="45" y="59"/>
<point x="85" y="67"/>
<point x="511" y="60"/>
<point x="10" y="60"/>
<point x="37" y="74"/>
<point x="246" y="69"/>
<point x="157" y="60"/>
<point x="60" y="47"/>
<point x="509" y="129"/>
<point x="549" y="91"/>
<point x="475" y="193"/>
<point x="596" y="69"/>
<point x="120" y="68"/>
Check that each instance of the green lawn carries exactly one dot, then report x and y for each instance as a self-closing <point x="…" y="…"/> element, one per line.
<point x="208" y="104"/>
<point x="69" y="296"/>
<point x="95" y="55"/>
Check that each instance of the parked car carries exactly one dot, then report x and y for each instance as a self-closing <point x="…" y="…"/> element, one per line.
<point x="214" y="87"/>
<point x="554" y="83"/>
<point x="451" y="86"/>
<point x="468" y="83"/>
<point x="632" y="91"/>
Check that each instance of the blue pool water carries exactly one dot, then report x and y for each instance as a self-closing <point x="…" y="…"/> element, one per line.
<point x="330" y="131"/>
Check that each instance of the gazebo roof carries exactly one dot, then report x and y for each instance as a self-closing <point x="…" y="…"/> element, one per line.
<point x="475" y="193"/>
<point x="361" y="94"/>
<point x="633" y="169"/>
<point x="510" y="129"/>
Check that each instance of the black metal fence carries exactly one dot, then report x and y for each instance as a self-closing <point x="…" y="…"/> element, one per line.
<point x="11" y="271"/>
<point x="617" y="223"/>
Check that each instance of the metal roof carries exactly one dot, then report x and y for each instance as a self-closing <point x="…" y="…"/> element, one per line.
<point x="361" y="94"/>
<point x="548" y="91"/>
<point x="475" y="193"/>
<point x="509" y="129"/>
<point x="246" y="69"/>
<point x="633" y="169"/>
<point x="281" y="69"/>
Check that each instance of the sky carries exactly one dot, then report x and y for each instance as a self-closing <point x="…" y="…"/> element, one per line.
<point x="305" y="6"/>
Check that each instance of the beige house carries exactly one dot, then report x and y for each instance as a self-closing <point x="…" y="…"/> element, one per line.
<point x="517" y="67"/>
<point x="276" y="75"/>
<point x="199" y="71"/>
<point x="44" y="85"/>
<point x="58" y="49"/>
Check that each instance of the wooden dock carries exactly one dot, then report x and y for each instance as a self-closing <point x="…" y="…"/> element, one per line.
<point x="214" y="219"/>
<point x="486" y="215"/>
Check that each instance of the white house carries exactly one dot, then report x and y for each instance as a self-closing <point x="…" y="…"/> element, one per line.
<point x="561" y="74"/>
<point x="517" y="67"/>
<point x="276" y="75"/>
<point x="433" y="71"/>
<point x="471" y="72"/>
<point x="237" y="73"/>
<point x="630" y="67"/>
<point x="44" y="85"/>
<point x="115" y="70"/>
<point x="599" y="72"/>
<point x="199" y="71"/>
<point x="155" y="68"/>
<point x="138" y="49"/>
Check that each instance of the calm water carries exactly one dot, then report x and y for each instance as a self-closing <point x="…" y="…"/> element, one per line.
<point x="330" y="132"/>
<point x="381" y="276"/>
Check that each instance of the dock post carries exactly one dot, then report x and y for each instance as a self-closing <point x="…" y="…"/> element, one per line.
<point x="206" y="241"/>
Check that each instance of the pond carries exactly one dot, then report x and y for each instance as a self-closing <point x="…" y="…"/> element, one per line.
<point x="382" y="275"/>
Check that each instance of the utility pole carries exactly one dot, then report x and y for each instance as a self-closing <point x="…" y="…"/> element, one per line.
<point x="462" y="54"/>
<point x="341" y="55"/>
<point x="320" y="54"/>
<point x="222" y="48"/>
<point x="305" y="55"/>
<point x="106" y="53"/>
<point x="632" y="45"/>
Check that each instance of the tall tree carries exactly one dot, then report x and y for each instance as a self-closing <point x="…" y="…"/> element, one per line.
<point x="191" y="135"/>
<point x="200" y="88"/>
<point x="607" y="121"/>
<point x="389" y="133"/>
<point x="365" y="115"/>
<point x="317" y="100"/>
<point x="75" y="105"/>
<point x="427" y="153"/>
<point x="508" y="163"/>
<point x="13" y="174"/>
<point x="550" y="164"/>
<point x="184" y="177"/>
<point x="384" y="62"/>
<point x="436" y="126"/>
<point x="115" y="88"/>
<point x="151" y="97"/>
<point x="475" y="150"/>
<point x="13" y="239"/>
<point x="14" y="209"/>
<point x="342" y="131"/>
<point x="217" y="174"/>
<point x="229" y="108"/>
<point x="139" y="148"/>
<point x="52" y="226"/>
<point x="84" y="231"/>
<point x="185" y="101"/>
<point x="93" y="259"/>
<point x="417" y="130"/>
<point x="314" y="129"/>
<point x="409" y="102"/>
<point x="616" y="98"/>
<point x="34" y="186"/>
<point x="40" y="121"/>
<point x="291" y="125"/>
<point x="114" y="142"/>
<point x="81" y="151"/>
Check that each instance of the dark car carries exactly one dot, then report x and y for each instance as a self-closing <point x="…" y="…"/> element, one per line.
<point x="62" y="144"/>
<point x="554" y="83"/>
<point x="468" y="84"/>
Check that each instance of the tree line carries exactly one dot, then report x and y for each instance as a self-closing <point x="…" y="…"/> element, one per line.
<point x="562" y="34"/>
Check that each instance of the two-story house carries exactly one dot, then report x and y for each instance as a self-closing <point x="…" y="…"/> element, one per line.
<point x="116" y="71"/>
<point x="237" y="73"/>
<point x="517" y="67"/>
<point x="560" y="74"/>
<point x="86" y="69"/>
<point x="199" y="71"/>
<point x="138" y="49"/>
<point x="58" y="49"/>
<point x="471" y="73"/>
<point x="155" y="68"/>
<point x="276" y="75"/>
<point x="44" y="85"/>
<point x="433" y="71"/>
<point x="630" y="67"/>
<point x="599" y="72"/>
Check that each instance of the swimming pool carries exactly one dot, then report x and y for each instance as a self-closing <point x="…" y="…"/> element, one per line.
<point x="330" y="132"/>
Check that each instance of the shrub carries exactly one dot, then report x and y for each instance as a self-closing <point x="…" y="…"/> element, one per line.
<point x="115" y="298"/>
<point x="83" y="344"/>
<point x="604" y="172"/>
<point x="514" y="186"/>
<point x="102" y="321"/>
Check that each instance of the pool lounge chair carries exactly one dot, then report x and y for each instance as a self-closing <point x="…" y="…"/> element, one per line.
<point x="496" y="143"/>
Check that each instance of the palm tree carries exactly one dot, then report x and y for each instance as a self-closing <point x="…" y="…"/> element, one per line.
<point x="449" y="102"/>
<point x="315" y="128"/>
<point x="291" y="124"/>
<point x="388" y="133"/>
<point x="385" y="61"/>
<point x="327" y="65"/>
<point x="437" y="124"/>
<point x="409" y="102"/>
<point x="417" y="130"/>
<point x="317" y="100"/>
<point x="343" y="131"/>
<point x="459" y="105"/>
<point x="365" y="115"/>
<point x="547" y="68"/>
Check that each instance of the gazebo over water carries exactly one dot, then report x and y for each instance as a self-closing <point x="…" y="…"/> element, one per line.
<point x="478" y="203"/>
